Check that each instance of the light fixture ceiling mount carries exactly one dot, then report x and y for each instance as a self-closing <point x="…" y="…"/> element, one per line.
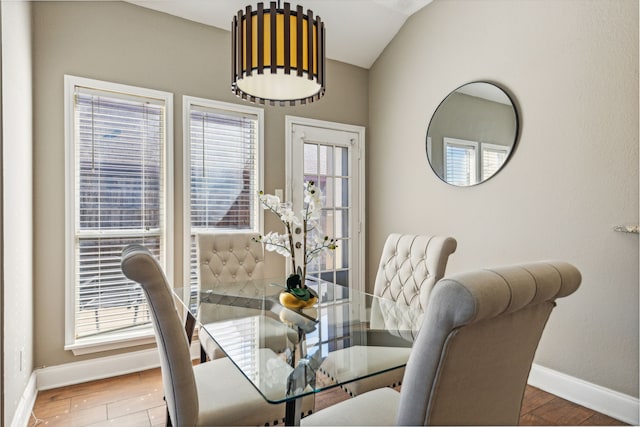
<point x="278" y="55"/>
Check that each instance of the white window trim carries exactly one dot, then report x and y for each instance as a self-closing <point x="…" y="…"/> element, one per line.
<point x="124" y="339"/>
<point x="187" y="103"/>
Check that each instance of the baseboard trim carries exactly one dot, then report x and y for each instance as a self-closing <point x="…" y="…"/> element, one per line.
<point x="87" y="370"/>
<point x="103" y="367"/>
<point x="25" y="406"/>
<point x="606" y="401"/>
<point x="97" y="369"/>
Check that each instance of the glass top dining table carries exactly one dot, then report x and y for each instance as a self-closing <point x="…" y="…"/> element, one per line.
<point x="291" y="353"/>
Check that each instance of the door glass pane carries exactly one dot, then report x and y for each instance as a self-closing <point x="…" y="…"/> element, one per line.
<point x="310" y="159"/>
<point x="328" y="276"/>
<point x="341" y="256"/>
<point x="326" y="186"/>
<point x="342" y="277"/>
<point x="326" y="222"/>
<point x="342" y="193"/>
<point x="341" y="223"/>
<point x="327" y="261"/>
<point x="326" y="160"/>
<point x="342" y="161"/>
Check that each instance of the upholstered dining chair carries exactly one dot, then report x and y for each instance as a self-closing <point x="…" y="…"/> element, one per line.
<point x="472" y="356"/>
<point x="208" y="394"/>
<point x="236" y="259"/>
<point x="410" y="265"/>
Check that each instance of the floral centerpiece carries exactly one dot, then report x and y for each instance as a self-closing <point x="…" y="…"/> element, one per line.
<point x="302" y="241"/>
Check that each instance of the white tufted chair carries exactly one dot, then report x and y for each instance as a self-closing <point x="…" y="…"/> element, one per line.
<point x="229" y="257"/>
<point x="472" y="357"/>
<point x="208" y="394"/>
<point x="234" y="258"/>
<point x="410" y="265"/>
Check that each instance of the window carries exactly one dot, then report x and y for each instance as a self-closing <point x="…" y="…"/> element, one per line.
<point x="460" y="161"/>
<point x="462" y="164"/>
<point x="493" y="156"/>
<point x="119" y="181"/>
<point x="223" y="171"/>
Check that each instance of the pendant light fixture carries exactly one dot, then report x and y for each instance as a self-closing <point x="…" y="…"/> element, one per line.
<point x="278" y="55"/>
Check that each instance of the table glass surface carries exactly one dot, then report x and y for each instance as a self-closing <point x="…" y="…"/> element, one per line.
<point x="288" y="353"/>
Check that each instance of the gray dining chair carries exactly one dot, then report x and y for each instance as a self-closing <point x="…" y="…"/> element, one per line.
<point x="472" y="356"/>
<point x="235" y="260"/>
<point x="208" y="394"/>
<point x="410" y="265"/>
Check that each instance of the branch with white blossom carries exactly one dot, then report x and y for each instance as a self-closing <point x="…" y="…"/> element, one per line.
<point x="284" y="243"/>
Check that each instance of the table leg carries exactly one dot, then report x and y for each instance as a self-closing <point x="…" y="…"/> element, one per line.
<point x="292" y="412"/>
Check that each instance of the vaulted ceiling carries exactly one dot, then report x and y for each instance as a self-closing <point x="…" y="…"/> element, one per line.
<point x="357" y="31"/>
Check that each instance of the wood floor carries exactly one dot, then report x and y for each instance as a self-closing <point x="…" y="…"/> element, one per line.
<point x="136" y="400"/>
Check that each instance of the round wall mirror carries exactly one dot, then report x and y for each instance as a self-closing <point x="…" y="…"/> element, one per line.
<point x="472" y="134"/>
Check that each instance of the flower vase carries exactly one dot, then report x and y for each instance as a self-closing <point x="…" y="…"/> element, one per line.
<point x="297" y="296"/>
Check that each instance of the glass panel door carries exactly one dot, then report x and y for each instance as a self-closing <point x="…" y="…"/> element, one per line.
<point x="330" y="156"/>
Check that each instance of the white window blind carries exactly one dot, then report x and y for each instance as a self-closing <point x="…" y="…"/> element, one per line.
<point x="461" y="158"/>
<point x="224" y="164"/>
<point x="119" y="188"/>
<point x="493" y="156"/>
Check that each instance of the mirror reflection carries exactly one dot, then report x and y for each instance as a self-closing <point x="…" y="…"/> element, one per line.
<point x="472" y="134"/>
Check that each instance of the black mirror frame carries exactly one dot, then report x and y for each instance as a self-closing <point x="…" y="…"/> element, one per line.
<point x="516" y="136"/>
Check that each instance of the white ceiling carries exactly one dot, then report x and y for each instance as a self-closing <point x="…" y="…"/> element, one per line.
<point x="357" y="31"/>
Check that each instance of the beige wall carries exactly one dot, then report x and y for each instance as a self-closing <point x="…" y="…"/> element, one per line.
<point x="572" y="67"/>
<point x="127" y="44"/>
<point x="17" y="203"/>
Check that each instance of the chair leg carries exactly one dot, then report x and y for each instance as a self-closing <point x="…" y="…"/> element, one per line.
<point x="203" y="355"/>
<point x="168" y="418"/>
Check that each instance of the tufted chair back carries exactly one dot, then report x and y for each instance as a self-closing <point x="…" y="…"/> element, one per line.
<point x="410" y="265"/>
<point x="180" y="391"/>
<point x="229" y="257"/>
<point x="471" y="360"/>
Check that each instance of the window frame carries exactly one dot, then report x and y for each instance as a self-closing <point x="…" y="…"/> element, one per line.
<point x="138" y="336"/>
<point x="188" y="102"/>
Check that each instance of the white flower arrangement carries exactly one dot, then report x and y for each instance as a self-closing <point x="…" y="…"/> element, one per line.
<point x="308" y="223"/>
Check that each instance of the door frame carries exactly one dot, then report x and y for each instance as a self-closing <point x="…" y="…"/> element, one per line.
<point x="359" y="150"/>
